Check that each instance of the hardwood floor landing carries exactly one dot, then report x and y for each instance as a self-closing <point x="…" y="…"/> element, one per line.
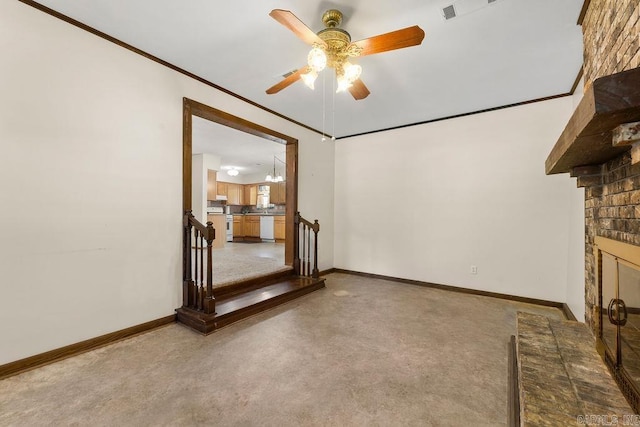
<point x="235" y="307"/>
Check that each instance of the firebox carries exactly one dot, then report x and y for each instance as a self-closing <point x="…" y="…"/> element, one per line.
<point x="618" y="340"/>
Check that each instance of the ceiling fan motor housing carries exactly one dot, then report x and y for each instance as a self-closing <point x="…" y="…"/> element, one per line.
<point x="332" y="18"/>
<point x="338" y="40"/>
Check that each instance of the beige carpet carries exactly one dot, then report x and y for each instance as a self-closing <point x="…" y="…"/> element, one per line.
<point x="229" y="268"/>
<point x="362" y="352"/>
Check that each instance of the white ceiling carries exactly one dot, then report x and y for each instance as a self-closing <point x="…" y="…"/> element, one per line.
<point x="248" y="153"/>
<point x="501" y="53"/>
<point x="489" y="56"/>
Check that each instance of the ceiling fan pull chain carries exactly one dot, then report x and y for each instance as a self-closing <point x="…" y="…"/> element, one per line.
<point x="324" y="138"/>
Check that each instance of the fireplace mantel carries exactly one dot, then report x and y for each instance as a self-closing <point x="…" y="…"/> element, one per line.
<point x="587" y="139"/>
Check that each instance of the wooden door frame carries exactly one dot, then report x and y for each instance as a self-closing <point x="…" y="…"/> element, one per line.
<point x="194" y="108"/>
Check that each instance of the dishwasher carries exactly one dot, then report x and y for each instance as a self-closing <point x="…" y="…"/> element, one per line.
<point x="266" y="229"/>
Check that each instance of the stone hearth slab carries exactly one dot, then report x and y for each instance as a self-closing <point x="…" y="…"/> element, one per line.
<point x="562" y="378"/>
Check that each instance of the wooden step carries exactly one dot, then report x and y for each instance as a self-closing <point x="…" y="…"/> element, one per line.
<point x="242" y="305"/>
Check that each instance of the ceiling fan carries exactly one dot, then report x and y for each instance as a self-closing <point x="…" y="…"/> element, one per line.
<point x="332" y="47"/>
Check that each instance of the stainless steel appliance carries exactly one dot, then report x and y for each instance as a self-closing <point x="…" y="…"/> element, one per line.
<point x="229" y="234"/>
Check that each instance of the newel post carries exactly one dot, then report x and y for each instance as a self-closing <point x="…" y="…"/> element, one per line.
<point x="187" y="277"/>
<point x="209" y="304"/>
<point x="316" y="227"/>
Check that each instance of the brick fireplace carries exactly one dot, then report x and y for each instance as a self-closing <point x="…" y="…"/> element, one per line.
<point x="600" y="146"/>
<point x="611" y="45"/>
<point x="585" y="149"/>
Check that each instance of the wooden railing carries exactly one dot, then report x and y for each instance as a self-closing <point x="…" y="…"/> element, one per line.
<point x="197" y="272"/>
<point x="306" y="251"/>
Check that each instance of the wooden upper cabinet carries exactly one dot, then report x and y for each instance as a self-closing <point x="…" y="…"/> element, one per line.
<point x="211" y="185"/>
<point x="235" y="194"/>
<point x="250" y="194"/>
<point x="282" y="192"/>
<point x="278" y="193"/>
<point x="222" y="188"/>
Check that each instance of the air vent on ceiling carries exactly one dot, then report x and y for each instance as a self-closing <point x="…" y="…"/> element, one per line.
<point x="449" y="12"/>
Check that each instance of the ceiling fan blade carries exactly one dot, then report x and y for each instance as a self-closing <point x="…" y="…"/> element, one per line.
<point x="288" y="81"/>
<point x="291" y="21"/>
<point x="358" y="90"/>
<point x="410" y="36"/>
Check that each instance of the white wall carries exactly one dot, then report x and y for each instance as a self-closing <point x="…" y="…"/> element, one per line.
<point x="200" y="166"/>
<point x="428" y="202"/>
<point x="91" y="183"/>
<point x="575" y="297"/>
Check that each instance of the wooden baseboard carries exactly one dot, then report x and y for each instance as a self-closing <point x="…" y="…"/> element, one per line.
<point x="559" y="305"/>
<point x="568" y="313"/>
<point x="513" y="405"/>
<point x="328" y="271"/>
<point x="23" y="365"/>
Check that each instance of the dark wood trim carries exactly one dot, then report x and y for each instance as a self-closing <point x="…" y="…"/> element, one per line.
<point x="568" y="313"/>
<point x="195" y="108"/>
<point x="457" y="116"/>
<point x="583" y="11"/>
<point x="586" y="139"/>
<point x="508" y="297"/>
<point x="576" y="82"/>
<point x="61" y="353"/>
<point x="328" y="271"/>
<point x="187" y="154"/>
<point x="513" y="405"/>
<point x="140" y="52"/>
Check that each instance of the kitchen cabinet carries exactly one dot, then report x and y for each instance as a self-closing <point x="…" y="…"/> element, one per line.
<point x="211" y="185"/>
<point x="235" y="194"/>
<point x="282" y="193"/>
<point x="252" y="226"/>
<point x="279" y="227"/>
<point x="250" y="194"/>
<point x="278" y="193"/>
<point x="221" y="188"/>
<point x="238" y="226"/>
<point x="220" y="224"/>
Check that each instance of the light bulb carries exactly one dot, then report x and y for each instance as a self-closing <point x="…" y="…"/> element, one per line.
<point x="343" y="84"/>
<point x="309" y="78"/>
<point x="269" y="178"/>
<point x="351" y="71"/>
<point x="317" y="59"/>
<point x="232" y="172"/>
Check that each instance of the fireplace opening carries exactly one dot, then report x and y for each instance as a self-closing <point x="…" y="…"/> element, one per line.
<point x="618" y="340"/>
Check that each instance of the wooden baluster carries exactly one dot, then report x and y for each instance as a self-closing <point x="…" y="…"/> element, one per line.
<point x="309" y="254"/>
<point x="202" y="291"/>
<point x="304" y="249"/>
<point x="210" y="301"/>
<point x="296" y="239"/>
<point x="316" y="229"/>
<point x="186" y="260"/>
<point x="196" y="271"/>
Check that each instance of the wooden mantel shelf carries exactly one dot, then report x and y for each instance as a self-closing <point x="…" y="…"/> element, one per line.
<point x="586" y="140"/>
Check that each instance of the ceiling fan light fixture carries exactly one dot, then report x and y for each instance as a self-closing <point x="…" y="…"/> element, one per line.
<point x="317" y="59"/>
<point x="309" y="78"/>
<point x="343" y="83"/>
<point x="351" y="71"/>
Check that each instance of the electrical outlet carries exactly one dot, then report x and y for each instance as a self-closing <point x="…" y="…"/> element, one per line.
<point x="474" y="269"/>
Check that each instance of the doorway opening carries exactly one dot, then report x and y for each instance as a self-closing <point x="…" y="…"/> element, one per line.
<point x="193" y="109"/>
